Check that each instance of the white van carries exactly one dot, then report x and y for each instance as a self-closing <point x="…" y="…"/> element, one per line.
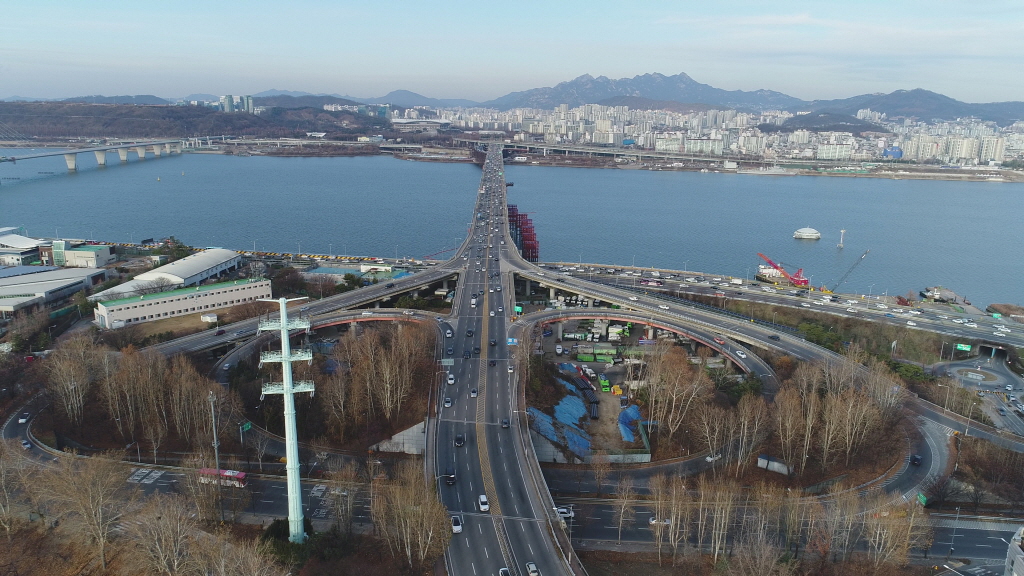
<point x="558" y="349"/>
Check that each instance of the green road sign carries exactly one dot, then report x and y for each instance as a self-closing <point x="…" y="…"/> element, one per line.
<point x="997" y="315"/>
<point x="965" y="347"/>
<point x="247" y="426"/>
<point x="447" y="362"/>
<point x="922" y="499"/>
<point x="519" y="309"/>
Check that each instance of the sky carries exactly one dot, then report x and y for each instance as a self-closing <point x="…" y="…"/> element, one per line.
<point x="480" y="50"/>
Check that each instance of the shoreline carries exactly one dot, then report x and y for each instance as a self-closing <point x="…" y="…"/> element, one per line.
<point x="444" y="155"/>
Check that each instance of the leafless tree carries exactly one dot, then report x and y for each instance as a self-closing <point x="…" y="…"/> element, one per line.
<point x="887" y="392"/>
<point x="625" y="503"/>
<point x="163" y="533"/>
<point x="12" y="466"/>
<point x="410" y="518"/>
<point x="260" y="443"/>
<point x="221" y="556"/>
<point x="660" y="487"/>
<point x="723" y="503"/>
<point x="71" y="371"/>
<point x="601" y="467"/>
<point x="857" y="415"/>
<point x="714" y="428"/>
<point x="751" y="428"/>
<point x="680" y="515"/>
<point x="345" y="486"/>
<point x="788" y="418"/>
<point x="892" y="530"/>
<point x="91" y="495"/>
<point x="204" y="495"/>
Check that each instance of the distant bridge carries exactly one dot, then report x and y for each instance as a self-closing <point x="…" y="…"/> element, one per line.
<point x="158" y="147"/>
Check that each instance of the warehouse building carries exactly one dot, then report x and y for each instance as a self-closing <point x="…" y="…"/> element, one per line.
<point x="177" y="303"/>
<point x="189" y="271"/>
<point x="30" y="288"/>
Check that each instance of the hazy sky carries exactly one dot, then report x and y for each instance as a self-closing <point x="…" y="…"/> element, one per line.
<point x="484" y="49"/>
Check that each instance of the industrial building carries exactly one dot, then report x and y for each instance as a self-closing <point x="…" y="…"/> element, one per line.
<point x="64" y="253"/>
<point x="30" y="288"/>
<point x="189" y="271"/>
<point x="18" y="250"/>
<point x="176" y="303"/>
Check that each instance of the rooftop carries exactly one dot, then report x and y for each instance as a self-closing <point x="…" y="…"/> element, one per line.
<point x="191" y="265"/>
<point x="180" y="291"/>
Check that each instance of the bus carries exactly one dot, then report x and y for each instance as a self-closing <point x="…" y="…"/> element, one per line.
<point x="652" y="283"/>
<point x="227" y="477"/>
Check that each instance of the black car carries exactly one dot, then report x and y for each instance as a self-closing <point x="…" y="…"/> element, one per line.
<point x="465" y="353"/>
<point x="469" y="333"/>
<point x="504" y="422"/>
<point x="460" y="440"/>
<point x="774" y="337"/>
<point x="451" y="350"/>
<point x="493" y="342"/>
<point x="476" y="349"/>
<point x="915" y="460"/>
<point x="389" y="285"/>
<point x="492" y="363"/>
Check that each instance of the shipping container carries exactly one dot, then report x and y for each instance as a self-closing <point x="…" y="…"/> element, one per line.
<point x="585" y="357"/>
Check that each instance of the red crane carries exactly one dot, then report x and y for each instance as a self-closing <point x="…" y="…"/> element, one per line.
<point x="794" y="279"/>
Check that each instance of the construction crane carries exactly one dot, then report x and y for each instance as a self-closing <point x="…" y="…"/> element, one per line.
<point x="847" y="275"/>
<point x="794" y="279"/>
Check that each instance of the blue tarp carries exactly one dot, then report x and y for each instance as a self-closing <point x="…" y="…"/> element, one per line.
<point x="627" y="423"/>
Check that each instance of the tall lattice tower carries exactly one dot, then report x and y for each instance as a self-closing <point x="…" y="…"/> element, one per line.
<point x="288" y="389"/>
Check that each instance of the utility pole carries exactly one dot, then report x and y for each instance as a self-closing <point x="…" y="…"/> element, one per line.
<point x="216" y="453"/>
<point x="287" y="388"/>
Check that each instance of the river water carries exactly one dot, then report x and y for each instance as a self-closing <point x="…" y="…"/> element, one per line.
<point x="965" y="236"/>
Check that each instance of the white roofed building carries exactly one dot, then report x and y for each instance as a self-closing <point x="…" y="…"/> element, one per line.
<point x="189" y="271"/>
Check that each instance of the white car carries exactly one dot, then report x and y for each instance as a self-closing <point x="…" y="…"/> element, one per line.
<point x="1004" y="330"/>
<point x="23" y="418"/>
<point x="564" y="512"/>
<point x="851" y="302"/>
<point x="713" y="457"/>
<point x="447" y="402"/>
<point x="492" y="312"/>
<point x="633" y="298"/>
<point x="970" y="325"/>
<point x="510" y="369"/>
<point x="456" y="525"/>
<point x="491" y="290"/>
<point x="451" y="378"/>
<point x="956" y="320"/>
<point x="482" y="502"/>
<point x="741" y="354"/>
<point x="911" y="323"/>
<point x="999" y="333"/>
<point x="999" y="326"/>
<point x="806" y="305"/>
<point x="881" y="306"/>
<point x="408" y="312"/>
<point x="663" y="307"/>
<point x="942" y="317"/>
<point x="851" y="310"/>
<point x="652" y="521"/>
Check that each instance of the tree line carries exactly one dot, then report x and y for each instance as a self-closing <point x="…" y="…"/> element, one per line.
<point x="765" y="530"/>
<point x="824" y="416"/>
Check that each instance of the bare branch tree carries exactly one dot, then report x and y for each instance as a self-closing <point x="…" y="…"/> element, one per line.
<point x="164" y="532"/>
<point x="12" y="465"/>
<point x="625" y="503"/>
<point x="91" y="494"/>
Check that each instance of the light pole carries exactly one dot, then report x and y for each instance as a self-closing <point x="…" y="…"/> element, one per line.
<point x="138" y="453"/>
<point x="216" y="452"/>
<point x="870" y="288"/>
<point x="952" y="539"/>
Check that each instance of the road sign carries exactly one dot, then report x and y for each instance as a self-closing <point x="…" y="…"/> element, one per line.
<point x="922" y="499"/>
<point x="965" y="347"/>
<point x="519" y="309"/>
<point x="447" y="362"/>
<point x="247" y="426"/>
<point x="513" y="342"/>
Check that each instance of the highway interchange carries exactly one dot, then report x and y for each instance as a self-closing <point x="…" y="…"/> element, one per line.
<point x="496" y="461"/>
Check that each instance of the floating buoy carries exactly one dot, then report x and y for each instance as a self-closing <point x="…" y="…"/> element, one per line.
<point x="157" y="178"/>
<point x="182" y="173"/>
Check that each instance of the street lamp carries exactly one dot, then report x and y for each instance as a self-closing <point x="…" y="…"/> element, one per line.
<point x="953" y="538"/>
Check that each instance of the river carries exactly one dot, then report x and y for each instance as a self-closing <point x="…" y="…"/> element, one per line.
<point x="965" y="236"/>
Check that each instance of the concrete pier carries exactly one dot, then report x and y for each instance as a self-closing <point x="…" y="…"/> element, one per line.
<point x="101" y="157"/>
<point x="123" y="154"/>
<point x="157" y="150"/>
<point x="141" y="151"/>
<point x="72" y="161"/>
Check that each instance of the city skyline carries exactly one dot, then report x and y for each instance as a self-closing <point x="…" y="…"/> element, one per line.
<point x="465" y="50"/>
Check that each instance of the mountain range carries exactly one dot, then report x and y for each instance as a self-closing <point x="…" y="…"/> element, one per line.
<point x="647" y="91"/>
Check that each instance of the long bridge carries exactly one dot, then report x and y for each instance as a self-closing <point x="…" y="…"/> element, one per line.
<point x="140" y="148"/>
